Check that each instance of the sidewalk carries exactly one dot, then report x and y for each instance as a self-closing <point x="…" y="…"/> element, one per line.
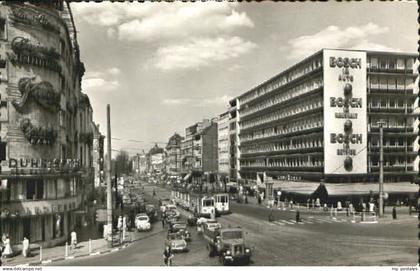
<point x="58" y="253"/>
<point x="402" y="211"/>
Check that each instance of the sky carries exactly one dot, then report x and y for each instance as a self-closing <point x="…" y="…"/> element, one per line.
<point x="165" y="66"/>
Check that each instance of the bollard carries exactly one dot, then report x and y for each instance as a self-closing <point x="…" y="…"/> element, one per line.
<point x="354" y="217"/>
<point x="66" y="251"/>
<point x="331" y="210"/>
<point x="40" y="253"/>
<point x="90" y="246"/>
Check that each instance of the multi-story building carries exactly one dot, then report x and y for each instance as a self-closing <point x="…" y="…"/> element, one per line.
<point x="199" y="149"/>
<point x="140" y="163"/>
<point x="234" y="151"/>
<point x="156" y="160"/>
<point x="45" y="123"/>
<point x="223" y="124"/>
<point x="173" y="149"/>
<point x="318" y="121"/>
<point x="98" y="155"/>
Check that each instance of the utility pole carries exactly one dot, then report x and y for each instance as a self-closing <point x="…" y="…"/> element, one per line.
<point x="381" y="169"/>
<point x="138" y="165"/>
<point x="108" y="178"/>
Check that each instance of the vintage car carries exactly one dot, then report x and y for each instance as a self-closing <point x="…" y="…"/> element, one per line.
<point x="176" y="243"/>
<point x="151" y="212"/>
<point x="171" y="210"/>
<point x="142" y="222"/>
<point x="180" y="227"/>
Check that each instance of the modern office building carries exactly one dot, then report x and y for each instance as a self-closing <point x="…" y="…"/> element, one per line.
<point x="173" y="150"/>
<point x="46" y="135"/>
<point x="223" y="145"/>
<point x="234" y="151"/>
<point x="313" y="129"/>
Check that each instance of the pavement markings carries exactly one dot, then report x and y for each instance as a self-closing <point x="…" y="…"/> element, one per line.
<point x="279" y="223"/>
<point x="308" y="221"/>
<point x="324" y="220"/>
<point x="286" y="221"/>
<point x="292" y="221"/>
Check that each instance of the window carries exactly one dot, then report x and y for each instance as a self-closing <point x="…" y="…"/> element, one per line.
<point x="30" y="189"/>
<point x="392" y="64"/>
<point x="374" y="83"/>
<point x="400" y="103"/>
<point x="383" y="83"/>
<point x="400" y="83"/>
<point x="382" y="63"/>
<point x="410" y="63"/>
<point x="376" y="102"/>
<point x="400" y="64"/>
<point x="409" y="83"/>
<point x="383" y="103"/>
<point x="3" y="29"/>
<point x="374" y="63"/>
<point x="392" y="103"/>
<point x="391" y="83"/>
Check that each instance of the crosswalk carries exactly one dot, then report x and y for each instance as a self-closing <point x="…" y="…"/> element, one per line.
<point x="309" y="221"/>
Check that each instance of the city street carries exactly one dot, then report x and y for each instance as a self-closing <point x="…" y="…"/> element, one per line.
<point x="318" y="240"/>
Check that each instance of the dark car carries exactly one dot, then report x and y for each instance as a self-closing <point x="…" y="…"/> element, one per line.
<point x="180" y="227"/>
<point x="151" y="212"/>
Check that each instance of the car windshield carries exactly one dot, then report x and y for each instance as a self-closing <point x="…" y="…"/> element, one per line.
<point x="142" y="218"/>
<point x="180" y="226"/>
<point x="232" y="235"/>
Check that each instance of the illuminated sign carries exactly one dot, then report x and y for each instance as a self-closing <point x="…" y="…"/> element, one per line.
<point x="345" y="120"/>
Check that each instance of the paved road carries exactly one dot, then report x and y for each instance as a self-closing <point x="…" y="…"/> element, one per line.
<point x="319" y="240"/>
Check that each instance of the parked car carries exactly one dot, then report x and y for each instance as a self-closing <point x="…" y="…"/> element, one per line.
<point x="171" y="210"/>
<point x="142" y="222"/>
<point x="151" y="212"/>
<point x="176" y="243"/>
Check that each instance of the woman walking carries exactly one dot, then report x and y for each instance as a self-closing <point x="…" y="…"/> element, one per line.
<point x="8" y="252"/>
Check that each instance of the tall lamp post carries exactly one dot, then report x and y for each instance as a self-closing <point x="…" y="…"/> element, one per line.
<point x="108" y="178"/>
<point x="381" y="168"/>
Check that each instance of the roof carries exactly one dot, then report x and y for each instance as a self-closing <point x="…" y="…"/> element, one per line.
<point x="340" y="189"/>
<point x="155" y="150"/>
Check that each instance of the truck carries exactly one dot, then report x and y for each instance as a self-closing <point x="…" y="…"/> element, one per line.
<point x="227" y="243"/>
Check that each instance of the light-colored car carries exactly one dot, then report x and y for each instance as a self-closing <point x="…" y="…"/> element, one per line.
<point x="171" y="208"/>
<point x="143" y="222"/>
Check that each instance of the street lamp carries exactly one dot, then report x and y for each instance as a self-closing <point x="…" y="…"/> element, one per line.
<point x="381" y="169"/>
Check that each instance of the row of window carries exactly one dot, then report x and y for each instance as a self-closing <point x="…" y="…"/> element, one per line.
<point x="32" y="189"/>
<point x="283" y="79"/>
<point x="391" y="142"/>
<point x="284" y="112"/>
<point x="393" y="162"/>
<point x="390" y="103"/>
<point x="285" y="162"/>
<point x="296" y="91"/>
<point x="390" y="63"/>
<point x="295" y="126"/>
<point x="391" y="122"/>
<point x="295" y="144"/>
<point x="391" y="83"/>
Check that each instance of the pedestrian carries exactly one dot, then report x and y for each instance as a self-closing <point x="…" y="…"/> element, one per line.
<point x="394" y="213"/>
<point x="163" y="222"/>
<point x="120" y="223"/>
<point x="25" y="247"/>
<point x="167" y="256"/>
<point x="297" y="216"/>
<point x="259" y="199"/>
<point x="7" y="252"/>
<point x="73" y="239"/>
<point x="154" y="192"/>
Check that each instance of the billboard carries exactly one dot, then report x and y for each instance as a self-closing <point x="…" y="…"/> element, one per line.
<point x="345" y="115"/>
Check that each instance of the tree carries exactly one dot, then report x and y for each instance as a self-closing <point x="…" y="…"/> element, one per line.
<point x="122" y="163"/>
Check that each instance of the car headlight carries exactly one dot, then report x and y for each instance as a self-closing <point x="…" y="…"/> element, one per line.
<point x="228" y="252"/>
<point x="247" y="250"/>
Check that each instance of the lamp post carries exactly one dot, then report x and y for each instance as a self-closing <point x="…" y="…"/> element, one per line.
<point x="381" y="169"/>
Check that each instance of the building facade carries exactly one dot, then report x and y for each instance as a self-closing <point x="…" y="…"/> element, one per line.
<point x="46" y="140"/>
<point x="234" y="151"/>
<point x="199" y="148"/>
<point x="223" y="145"/>
<point x="98" y="155"/>
<point x="314" y="128"/>
<point x="173" y="150"/>
<point x="156" y="160"/>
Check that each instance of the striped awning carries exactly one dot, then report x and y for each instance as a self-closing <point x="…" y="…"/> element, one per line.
<point x="304" y="188"/>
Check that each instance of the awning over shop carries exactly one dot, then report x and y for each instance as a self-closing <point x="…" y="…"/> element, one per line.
<point x="304" y="188"/>
<point x="342" y="189"/>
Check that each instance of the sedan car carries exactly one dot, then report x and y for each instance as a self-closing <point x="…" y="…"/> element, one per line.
<point x="176" y="243"/>
<point x="142" y="222"/>
<point x="181" y="229"/>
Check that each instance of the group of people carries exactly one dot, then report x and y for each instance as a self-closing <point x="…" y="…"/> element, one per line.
<point x="6" y="250"/>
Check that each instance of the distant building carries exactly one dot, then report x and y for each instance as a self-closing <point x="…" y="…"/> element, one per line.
<point x="98" y="155"/>
<point x="156" y="160"/>
<point x="223" y="168"/>
<point x="173" y="149"/>
<point x="140" y="163"/>
<point x="199" y="148"/>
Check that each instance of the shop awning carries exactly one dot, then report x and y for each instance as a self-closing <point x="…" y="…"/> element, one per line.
<point x="343" y="189"/>
<point x="304" y="188"/>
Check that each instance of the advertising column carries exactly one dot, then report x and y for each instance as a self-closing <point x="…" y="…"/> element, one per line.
<point x="345" y="123"/>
